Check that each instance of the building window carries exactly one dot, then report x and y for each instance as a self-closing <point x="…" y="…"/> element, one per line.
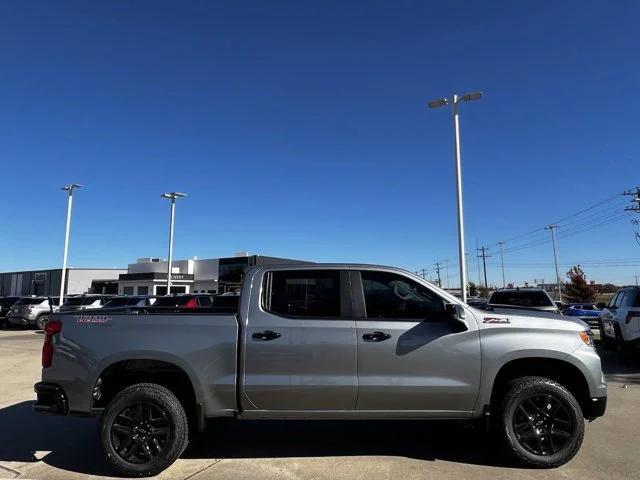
<point x="127" y="291"/>
<point x="143" y="290"/>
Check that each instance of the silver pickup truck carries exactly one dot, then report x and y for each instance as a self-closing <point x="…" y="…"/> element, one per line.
<point x="322" y="341"/>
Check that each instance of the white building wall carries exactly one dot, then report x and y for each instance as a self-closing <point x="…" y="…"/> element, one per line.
<point x="79" y="280"/>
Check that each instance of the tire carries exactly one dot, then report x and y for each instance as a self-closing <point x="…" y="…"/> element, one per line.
<point x="541" y="423"/>
<point x="41" y="321"/>
<point x="624" y="349"/>
<point x="143" y="430"/>
<point x="605" y="341"/>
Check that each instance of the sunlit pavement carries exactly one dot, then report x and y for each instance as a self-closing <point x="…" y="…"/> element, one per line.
<point x="48" y="447"/>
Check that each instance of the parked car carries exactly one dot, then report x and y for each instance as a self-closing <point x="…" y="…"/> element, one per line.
<point x="130" y="301"/>
<point x="226" y="301"/>
<point x="84" y="302"/>
<point x="5" y="305"/>
<point x="522" y="299"/>
<point x="620" y="320"/>
<point x="32" y="311"/>
<point x="184" y="301"/>
<point x="322" y="341"/>
<point x="587" y="312"/>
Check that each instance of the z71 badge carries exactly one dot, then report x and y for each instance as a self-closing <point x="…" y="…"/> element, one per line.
<point x="495" y="320"/>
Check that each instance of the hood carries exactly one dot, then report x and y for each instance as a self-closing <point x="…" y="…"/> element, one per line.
<point x="505" y="317"/>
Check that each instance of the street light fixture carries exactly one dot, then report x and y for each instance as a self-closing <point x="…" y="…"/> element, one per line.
<point x="69" y="189"/>
<point x="171" y="196"/>
<point x="453" y="101"/>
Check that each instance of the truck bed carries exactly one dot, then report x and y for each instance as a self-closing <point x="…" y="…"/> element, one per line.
<point x="206" y="343"/>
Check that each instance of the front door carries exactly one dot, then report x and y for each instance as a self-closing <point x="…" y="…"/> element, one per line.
<point x="411" y="357"/>
<point x="300" y="343"/>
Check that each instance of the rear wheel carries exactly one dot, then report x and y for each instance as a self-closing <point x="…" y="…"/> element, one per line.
<point x="624" y="348"/>
<point x="42" y="321"/>
<point x="144" y="430"/>
<point x="541" y="422"/>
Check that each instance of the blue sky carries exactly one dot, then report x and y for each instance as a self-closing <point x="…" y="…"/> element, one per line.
<point x="299" y="129"/>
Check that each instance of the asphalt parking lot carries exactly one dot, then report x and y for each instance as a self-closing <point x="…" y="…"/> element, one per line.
<point x="48" y="447"/>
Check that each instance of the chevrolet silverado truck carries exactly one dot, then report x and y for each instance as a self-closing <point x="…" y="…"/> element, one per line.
<point x="322" y="341"/>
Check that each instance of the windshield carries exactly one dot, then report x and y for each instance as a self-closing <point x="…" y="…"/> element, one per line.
<point x="123" y="302"/>
<point x="521" y="299"/>
<point x="7" y="302"/>
<point x="30" y="301"/>
<point x="81" y="301"/>
<point x="172" y="301"/>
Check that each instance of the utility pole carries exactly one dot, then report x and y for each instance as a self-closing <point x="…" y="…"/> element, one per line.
<point x="437" y="268"/>
<point x="478" y="261"/>
<point x="69" y="189"/>
<point x="636" y="279"/>
<point x="484" y="263"/>
<point x="636" y="199"/>
<point x="171" y="196"/>
<point x="504" y="282"/>
<point x="552" y="228"/>
<point x="453" y="101"/>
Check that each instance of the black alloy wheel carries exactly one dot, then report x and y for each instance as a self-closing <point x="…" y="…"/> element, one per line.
<point x="542" y="424"/>
<point x="140" y="432"/>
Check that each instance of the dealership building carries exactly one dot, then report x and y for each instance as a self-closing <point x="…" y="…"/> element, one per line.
<point x="47" y="282"/>
<point x="148" y="276"/>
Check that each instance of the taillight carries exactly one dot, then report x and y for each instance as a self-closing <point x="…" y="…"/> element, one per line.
<point x="191" y="303"/>
<point x="51" y="328"/>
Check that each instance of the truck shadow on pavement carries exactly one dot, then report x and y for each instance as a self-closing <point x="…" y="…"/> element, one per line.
<point x="72" y="444"/>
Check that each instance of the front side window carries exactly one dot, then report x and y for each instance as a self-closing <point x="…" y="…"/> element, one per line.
<point x="389" y="295"/>
<point x="303" y="293"/>
<point x="620" y="299"/>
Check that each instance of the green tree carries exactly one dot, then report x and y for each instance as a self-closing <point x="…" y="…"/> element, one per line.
<point x="473" y="289"/>
<point x="577" y="289"/>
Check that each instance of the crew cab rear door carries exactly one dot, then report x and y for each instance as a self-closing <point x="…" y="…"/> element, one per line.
<point x="300" y="343"/>
<point x="411" y="357"/>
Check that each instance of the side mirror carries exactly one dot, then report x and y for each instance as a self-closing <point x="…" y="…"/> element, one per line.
<point x="456" y="315"/>
<point x="601" y="305"/>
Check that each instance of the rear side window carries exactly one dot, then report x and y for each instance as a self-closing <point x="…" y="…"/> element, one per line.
<point x="303" y="293"/>
<point x="389" y="295"/>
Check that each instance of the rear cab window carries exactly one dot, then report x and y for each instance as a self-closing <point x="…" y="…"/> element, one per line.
<point x="521" y="299"/>
<point x="303" y="293"/>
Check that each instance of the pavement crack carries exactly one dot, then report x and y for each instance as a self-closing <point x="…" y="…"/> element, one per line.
<point x="202" y="469"/>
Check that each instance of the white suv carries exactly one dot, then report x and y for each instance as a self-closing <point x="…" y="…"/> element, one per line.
<point x="620" y="320"/>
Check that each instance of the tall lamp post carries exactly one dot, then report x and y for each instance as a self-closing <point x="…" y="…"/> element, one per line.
<point x="69" y="189"/>
<point x="453" y="101"/>
<point x="171" y="196"/>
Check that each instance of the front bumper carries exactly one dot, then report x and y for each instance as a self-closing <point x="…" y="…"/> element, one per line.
<point x="595" y="408"/>
<point x="21" y="319"/>
<point x="51" y="399"/>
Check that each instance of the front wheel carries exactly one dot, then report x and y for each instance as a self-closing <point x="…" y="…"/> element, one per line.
<point x="542" y="423"/>
<point x="143" y="430"/>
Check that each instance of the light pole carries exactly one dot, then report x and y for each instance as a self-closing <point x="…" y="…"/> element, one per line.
<point x="453" y="101"/>
<point x="552" y="228"/>
<point x="69" y="189"/>
<point x="172" y="196"/>
<point x="504" y="283"/>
